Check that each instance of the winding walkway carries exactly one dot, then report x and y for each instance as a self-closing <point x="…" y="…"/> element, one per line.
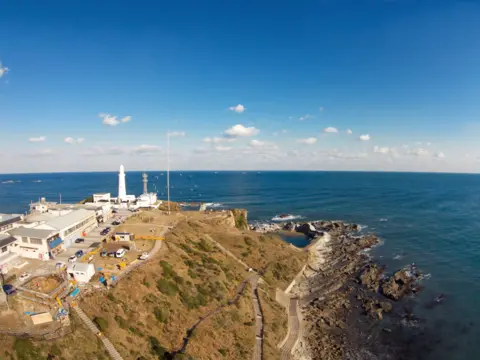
<point x="293" y="331"/>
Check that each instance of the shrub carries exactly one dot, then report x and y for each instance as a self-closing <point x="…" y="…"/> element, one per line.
<point x="204" y="246"/>
<point x="166" y="287"/>
<point x="111" y="297"/>
<point x="101" y="323"/>
<point x="135" y="331"/>
<point x="223" y="352"/>
<point x="248" y="241"/>
<point x="121" y="322"/>
<point x="167" y="269"/>
<point x="161" y="315"/>
<point x="156" y="348"/>
<point x="25" y="349"/>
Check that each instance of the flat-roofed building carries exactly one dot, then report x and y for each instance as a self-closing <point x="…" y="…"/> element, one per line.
<point x="9" y="221"/>
<point x="101" y="197"/>
<point x="73" y="225"/>
<point x="33" y="243"/>
<point x="7" y="257"/>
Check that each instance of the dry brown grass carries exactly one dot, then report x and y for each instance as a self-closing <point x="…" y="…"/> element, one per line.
<point x="185" y="280"/>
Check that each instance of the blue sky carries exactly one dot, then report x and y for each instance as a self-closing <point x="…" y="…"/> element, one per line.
<point x="405" y="73"/>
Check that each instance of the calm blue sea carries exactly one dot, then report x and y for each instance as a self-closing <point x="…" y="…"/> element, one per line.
<point x="432" y="219"/>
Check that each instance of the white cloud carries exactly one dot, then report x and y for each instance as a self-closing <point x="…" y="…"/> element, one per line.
<point x="104" y="151"/>
<point x="418" y="152"/>
<point x="308" y="141"/>
<point x="145" y="150"/>
<point x="71" y="140"/>
<point x="330" y="130"/>
<point x="216" y="140"/>
<point x="111" y="120"/>
<point x="284" y="131"/>
<point x="383" y="150"/>
<point x="240" y="130"/>
<point x="238" y="109"/>
<point x="222" y="148"/>
<point x="440" y="155"/>
<point x="3" y="70"/>
<point x="346" y="156"/>
<point x="349" y="131"/>
<point x="177" y="134"/>
<point x="264" y="145"/>
<point x="40" y="153"/>
<point x="364" y="137"/>
<point x="37" y="139"/>
<point x="306" y="117"/>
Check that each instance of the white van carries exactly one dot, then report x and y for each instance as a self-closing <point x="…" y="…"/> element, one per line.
<point x="120" y="253"/>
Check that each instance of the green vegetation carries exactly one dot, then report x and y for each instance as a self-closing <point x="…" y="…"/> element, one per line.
<point x="248" y="241"/>
<point x="156" y="348"/>
<point x="223" y="352"/>
<point x="167" y="287"/>
<point x="25" y="350"/>
<point x="101" y="323"/>
<point x="204" y="245"/>
<point x="121" y="322"/>
<point x="161" y="315"/>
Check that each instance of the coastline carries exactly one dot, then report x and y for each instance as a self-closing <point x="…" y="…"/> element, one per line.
<point x="343" y="298"/>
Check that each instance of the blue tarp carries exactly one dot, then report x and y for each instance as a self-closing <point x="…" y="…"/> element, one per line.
<point x="75" y="292"/>
<point x="54" y="243"/>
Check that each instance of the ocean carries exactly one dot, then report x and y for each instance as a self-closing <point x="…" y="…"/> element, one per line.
<point x="430" y="219"/>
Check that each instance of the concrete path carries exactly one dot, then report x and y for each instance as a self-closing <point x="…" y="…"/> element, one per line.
<point x="114" y="354"/>
<point x="258" y="350"/>
<point x="293" y="331"/>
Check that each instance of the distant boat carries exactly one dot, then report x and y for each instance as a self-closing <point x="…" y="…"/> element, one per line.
<point x="8" y="182"/>
<point x="37" y="181"/>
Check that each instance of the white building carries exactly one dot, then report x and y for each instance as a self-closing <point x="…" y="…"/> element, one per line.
<point x="9" y="221"/>
<point x="101" y="197"/>
<point x="36" y="243"/>
<point x="103" y="211"/>
<point x="81" y="272"/>
<point x="41" y="206"/>
<point x="73" y="225"/>
<point x="7" y="257"/>
<point x="147" y="200"/>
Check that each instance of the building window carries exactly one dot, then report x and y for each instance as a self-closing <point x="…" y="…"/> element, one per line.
<point x="25" y="239"/>
<point x="35" y="241"/>
<point x="4" y="249"/>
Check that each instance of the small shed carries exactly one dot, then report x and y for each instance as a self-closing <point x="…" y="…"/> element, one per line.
<point x="81" y="272"/>
<point x="41" y="318"/>
<point x="124" y="236"/>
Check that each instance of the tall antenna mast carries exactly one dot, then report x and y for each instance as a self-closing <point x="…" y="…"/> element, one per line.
<point x="168" y="171"/>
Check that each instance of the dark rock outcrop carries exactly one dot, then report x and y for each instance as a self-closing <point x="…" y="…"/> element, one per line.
<point x="398" y="285"/>
<point x="370" y="277"/>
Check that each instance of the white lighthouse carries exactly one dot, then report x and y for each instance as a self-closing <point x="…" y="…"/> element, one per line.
<point x="122" y="189"/>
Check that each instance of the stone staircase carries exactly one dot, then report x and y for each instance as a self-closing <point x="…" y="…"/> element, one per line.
<point x="114" y="354"/>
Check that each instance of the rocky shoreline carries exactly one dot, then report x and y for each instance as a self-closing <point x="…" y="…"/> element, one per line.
<point x="351" y="307"/>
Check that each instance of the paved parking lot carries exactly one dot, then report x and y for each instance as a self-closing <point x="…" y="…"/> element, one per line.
<point x="94" y="238"/>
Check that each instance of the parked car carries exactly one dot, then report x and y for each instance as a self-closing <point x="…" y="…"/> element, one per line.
<point x="79" y="253"/>
<point x="103" y="253"/>
<point x="72" y="259"/>
<point x="105" y="231"/>
<point x="116" y="223"/>
<point x="9" y="289"/>
<point x="120" y="253"/>
<point x="24" y="276"/>
<point x="79" y="240"/>
<point x="144" y="256"/>
<point x="114" y="211"/>
<point x="59" y="265"/>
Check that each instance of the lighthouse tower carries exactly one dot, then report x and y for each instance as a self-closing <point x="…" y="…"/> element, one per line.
<point x="122" y="189"/>
<point x="145" y="183"/>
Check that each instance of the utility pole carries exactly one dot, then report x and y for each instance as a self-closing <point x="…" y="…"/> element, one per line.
<point x="168" y="171"/>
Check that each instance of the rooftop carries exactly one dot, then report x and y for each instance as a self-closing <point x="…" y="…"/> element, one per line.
<point x="39" y="217"/>
<point x="31" y="232"/>
<point x="83" y="267"/>
<point x="73" y="217"/>
<point x="6" y="239"/>
<point x="6" y="219"/>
